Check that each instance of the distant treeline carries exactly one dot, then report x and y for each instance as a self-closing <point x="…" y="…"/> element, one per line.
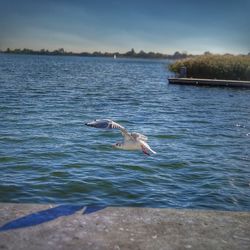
<point x="228" y="67"/>
<point x="129" y="54"/>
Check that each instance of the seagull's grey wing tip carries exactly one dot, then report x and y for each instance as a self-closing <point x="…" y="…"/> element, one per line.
<point x="105" y="123"/>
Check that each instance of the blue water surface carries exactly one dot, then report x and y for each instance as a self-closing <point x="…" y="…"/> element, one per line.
<point x="47" y="154"/>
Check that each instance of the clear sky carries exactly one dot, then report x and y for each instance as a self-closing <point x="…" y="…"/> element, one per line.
<point x="166" y="26"/>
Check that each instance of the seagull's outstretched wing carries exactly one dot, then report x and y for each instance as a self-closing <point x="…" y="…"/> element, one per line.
<point x="139" y="136"/>
<point x="109" y="124"/>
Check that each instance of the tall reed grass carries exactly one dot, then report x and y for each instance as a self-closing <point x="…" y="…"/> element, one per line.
<point x="228" y="67"/>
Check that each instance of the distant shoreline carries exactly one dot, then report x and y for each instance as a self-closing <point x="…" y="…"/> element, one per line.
<point x="89" y="56"/>
<point x="130" y="54"/>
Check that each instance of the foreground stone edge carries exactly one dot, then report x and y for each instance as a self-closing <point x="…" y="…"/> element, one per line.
<point x="127" y="228"/>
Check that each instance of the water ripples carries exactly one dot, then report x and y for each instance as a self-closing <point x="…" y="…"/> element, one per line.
<point x="201" y="135"/>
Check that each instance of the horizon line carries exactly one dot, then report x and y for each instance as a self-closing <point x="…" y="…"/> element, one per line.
<point x="183" y="52"/>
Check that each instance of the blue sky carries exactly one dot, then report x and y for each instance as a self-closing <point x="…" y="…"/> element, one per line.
<point x="157" y="25"/>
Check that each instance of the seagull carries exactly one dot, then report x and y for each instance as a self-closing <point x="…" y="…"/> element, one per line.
<point x="132" y="141"/>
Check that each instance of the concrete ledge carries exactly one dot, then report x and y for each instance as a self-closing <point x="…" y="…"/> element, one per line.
<point x="123" y="228"/>
<point x="209" y="82"/>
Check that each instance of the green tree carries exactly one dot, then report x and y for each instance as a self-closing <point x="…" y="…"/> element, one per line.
<point x="131" y="53"/>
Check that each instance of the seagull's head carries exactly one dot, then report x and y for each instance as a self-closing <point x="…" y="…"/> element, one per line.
<point x="117" y="145"/>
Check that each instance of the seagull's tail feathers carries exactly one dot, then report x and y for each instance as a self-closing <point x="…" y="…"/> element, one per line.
<point x="152" y="151"/>
<point x="146" y="148"/>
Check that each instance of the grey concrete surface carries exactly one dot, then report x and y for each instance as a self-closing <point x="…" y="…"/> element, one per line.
<point x="128" y="228"/>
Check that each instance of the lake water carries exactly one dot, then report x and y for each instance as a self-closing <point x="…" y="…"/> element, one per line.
<point x="47" y="154"/>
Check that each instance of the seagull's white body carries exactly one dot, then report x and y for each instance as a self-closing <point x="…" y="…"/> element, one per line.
<point x="132" y="141"/>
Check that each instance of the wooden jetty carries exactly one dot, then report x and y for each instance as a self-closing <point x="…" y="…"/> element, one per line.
<point x="210" y="82"/>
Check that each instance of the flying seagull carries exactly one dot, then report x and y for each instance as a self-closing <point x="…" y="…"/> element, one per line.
<point x="132" y="141"/>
